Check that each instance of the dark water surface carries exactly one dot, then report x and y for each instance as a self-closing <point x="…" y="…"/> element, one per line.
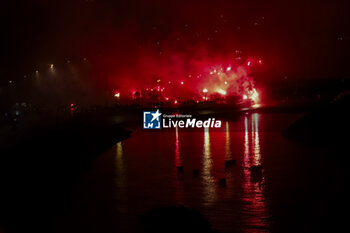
<point x="301" y="189"/>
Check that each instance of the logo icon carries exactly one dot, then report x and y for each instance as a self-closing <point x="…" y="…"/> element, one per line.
<point x="151" y="119"/>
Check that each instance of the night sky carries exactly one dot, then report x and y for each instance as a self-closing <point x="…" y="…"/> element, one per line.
<point x="299" y="39"/>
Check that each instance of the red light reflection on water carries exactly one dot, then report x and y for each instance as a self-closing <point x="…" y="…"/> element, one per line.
<point x="241" y="199"/>
<point x="179" y="192"/>
<point x="178" y="161"/>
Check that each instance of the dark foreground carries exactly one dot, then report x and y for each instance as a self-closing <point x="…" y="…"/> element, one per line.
<point x="53" y="181"/>
<point x="40" y="165"/>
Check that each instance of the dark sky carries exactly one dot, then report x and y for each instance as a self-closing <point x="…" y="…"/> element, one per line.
<point x="302" y="39"/>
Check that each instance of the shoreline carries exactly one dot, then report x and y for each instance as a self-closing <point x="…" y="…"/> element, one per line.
<point x="38" y="171"/>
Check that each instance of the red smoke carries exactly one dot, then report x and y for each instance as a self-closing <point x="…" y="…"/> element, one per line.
<point x="182" y="75"/>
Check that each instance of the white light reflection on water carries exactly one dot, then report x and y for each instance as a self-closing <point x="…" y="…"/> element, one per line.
<point x="255" y="210"/>
<point x="255" y="135"/>
<point x="120" y="193"/>
<point x="228" y="154"/>
<point x="209" y="186"/>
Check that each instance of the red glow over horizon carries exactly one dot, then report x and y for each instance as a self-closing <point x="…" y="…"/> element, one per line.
<point x="181" y="79"/>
